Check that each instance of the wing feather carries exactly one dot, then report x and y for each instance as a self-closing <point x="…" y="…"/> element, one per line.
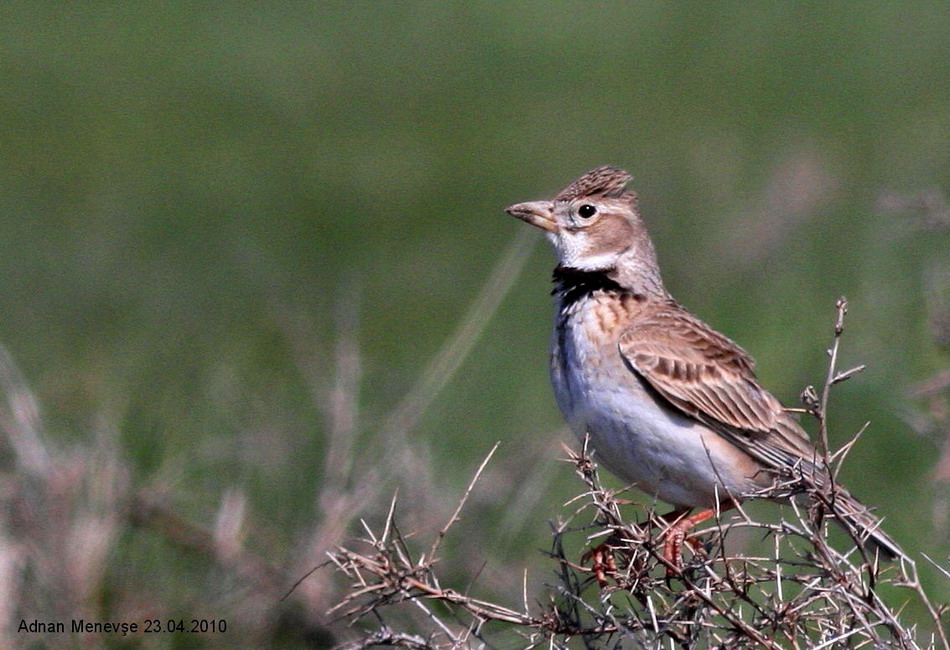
<point x="710" y="378"/>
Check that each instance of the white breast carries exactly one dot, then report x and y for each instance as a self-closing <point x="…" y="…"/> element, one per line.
<point x="640" y="439"/>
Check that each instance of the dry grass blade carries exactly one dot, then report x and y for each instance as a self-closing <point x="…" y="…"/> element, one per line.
<point x="20" y="418"/>
<point x="457" y="347"/>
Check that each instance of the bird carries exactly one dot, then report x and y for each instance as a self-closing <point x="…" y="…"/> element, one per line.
<point x="665" y="402"/>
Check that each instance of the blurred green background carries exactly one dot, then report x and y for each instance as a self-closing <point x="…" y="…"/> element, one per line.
<point x="205" y="207"/>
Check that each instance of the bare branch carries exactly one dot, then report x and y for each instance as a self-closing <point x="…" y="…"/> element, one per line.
<point x="455" y="515"/>
<point x="804" y="593"/>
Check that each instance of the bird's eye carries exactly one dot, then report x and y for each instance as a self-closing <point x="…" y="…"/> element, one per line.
<point x="586" y="211"/>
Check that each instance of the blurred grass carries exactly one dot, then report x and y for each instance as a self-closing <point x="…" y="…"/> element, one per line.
<point x="190" y="194"/>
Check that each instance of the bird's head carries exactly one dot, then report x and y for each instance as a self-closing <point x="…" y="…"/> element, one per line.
<point x="595" y="226"/>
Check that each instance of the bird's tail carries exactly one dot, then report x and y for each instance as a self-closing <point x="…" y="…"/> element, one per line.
<point x="863" y="525"/>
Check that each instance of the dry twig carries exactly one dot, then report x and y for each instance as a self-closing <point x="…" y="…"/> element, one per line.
<point x="805" y="593"/>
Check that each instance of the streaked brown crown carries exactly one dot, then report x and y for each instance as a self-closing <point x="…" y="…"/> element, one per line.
<point x="605" y="180"/>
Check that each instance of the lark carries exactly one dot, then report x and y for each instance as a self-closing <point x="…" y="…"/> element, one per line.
<point x="667" y="403"/>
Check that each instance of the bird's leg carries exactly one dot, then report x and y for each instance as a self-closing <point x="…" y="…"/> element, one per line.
<point x="678" y="523"/>
<point x="604" y="564"/>
<point x="675" y="535"/>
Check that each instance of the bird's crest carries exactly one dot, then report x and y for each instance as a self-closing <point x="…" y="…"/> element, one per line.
<point x="605" y="180"/>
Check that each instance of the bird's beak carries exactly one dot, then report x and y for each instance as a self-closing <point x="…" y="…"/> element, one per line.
<point x="537" y="213"/>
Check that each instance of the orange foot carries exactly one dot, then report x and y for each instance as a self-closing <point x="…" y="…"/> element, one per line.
<point x="604" y="562"/>
<point x="675" y="536"/>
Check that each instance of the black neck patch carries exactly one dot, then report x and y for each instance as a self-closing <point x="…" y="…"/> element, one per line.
<point x="572" y="284"/>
